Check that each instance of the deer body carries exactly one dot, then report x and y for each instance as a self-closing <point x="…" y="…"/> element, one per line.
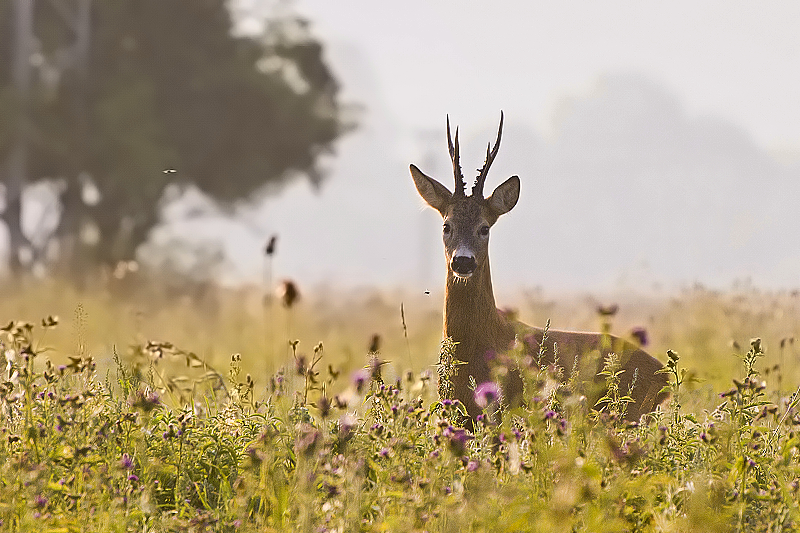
<point x="471" y="317"/>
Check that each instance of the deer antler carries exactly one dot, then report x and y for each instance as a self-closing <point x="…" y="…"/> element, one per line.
<point x="477" y="189"/>
<point x="459" y="177"/>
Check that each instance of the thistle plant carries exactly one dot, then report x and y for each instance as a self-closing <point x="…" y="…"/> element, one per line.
<point x="447" y="368"/>
<point x="152" y="450"/>
<point x="614" y="402"/>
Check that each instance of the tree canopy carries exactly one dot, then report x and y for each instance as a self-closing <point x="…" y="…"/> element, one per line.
<point x="167" y="94"/>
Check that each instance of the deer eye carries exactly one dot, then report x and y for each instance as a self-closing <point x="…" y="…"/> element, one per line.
<point x="446" y="228"/>
<point x="484" y="231"/>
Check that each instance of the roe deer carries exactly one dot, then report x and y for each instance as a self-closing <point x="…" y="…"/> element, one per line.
<point x="473" y="322"/>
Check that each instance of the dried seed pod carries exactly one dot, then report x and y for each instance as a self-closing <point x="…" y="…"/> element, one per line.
<point x="288" y="293"/>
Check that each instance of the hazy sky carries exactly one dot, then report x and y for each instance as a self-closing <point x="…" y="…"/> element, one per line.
<point x="721" y="76"/>
<point x="736" y="59"/>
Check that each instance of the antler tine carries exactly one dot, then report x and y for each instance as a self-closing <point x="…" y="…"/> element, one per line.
<point x="491" y="153"/>
<point x="454" y="156"/>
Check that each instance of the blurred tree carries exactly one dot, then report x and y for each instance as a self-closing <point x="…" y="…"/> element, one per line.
<point x="167" y="94"/>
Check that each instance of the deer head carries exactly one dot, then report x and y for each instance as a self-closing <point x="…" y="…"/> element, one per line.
<point x="467" y="219"/>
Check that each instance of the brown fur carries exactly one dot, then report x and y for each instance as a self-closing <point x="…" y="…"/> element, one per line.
<point x="472" y="320"/>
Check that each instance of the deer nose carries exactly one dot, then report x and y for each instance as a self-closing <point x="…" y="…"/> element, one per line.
<point x="463" y="265"/>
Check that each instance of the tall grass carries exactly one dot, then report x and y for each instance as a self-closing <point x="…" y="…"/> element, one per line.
<point x="146" y="435"/>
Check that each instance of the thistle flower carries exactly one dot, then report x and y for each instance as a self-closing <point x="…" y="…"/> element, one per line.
<point x="146" y="401"/>
<point x="486" y="394"/>
<point x="324" y="406"/>
<point x="40" y="502"/>
<point x="126" y="461"/>
<point x="307" y="439"/>
<point x="347" y="425"/>
<point x="457" y="439"/>
<point x="300" y="365"/>
<point x="360" y="378"/>
<point x="640" y="334"/>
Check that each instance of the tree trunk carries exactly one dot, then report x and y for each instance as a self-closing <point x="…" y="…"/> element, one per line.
<point x="12" y="216"/>
<point x="22" y="11"/>
<point x="71" y="259"/>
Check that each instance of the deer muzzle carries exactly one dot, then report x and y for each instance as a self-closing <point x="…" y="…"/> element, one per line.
<point x="463" y="263"/>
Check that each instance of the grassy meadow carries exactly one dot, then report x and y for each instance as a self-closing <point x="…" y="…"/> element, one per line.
<point x="139" y="407"/>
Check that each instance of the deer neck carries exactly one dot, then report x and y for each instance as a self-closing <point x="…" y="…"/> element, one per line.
<point x="471" y="318"/>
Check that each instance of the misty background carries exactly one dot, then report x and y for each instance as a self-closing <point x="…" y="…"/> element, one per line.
<point x="658" y="146"/>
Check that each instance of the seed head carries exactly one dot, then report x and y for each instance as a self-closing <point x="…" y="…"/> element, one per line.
<point x="269" y="249"/>
<point x="375" y="344"/>
<point x="324" y="406"/>
<point x="288" y="293"/>
<point x="607" y="310"/>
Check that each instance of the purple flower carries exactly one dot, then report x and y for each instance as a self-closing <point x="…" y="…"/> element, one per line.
<point x="640" y="334"/>
<point x="457" y="439"/>
<point x="133" y="477"/>
<point x="472" y="466"/>
<point x="40" y="502"/>
<point x="126" y="462"/>
<point x="486" y="394"/>
<point x="347" y="424"/>
<point x="307" y="439"/>
<point x="361" y="378"/>
<point x="146" y="401"/>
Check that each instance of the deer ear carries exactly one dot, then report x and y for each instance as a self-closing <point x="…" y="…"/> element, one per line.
<point x="505" y="196"/>
<point x="434" y="193"/>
